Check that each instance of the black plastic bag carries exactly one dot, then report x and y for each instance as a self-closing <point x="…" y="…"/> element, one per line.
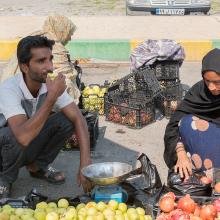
<point x="28" y="201"/>
<point x="192" y="186"/>
<point x="144" y="186"/>
<point x="146" y="177"/>
<point x="149" y="201"/>
<point x="92" y="120"/>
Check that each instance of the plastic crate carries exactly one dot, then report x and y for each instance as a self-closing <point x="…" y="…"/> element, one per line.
<point x="115" y="97"/>
<point x="14" y="203"/>
<point x="167" y="105"/>
<point x="27" y="201"/>
<point x="171" y="89"/>
<point x="170" y="106"/>
<point x="129" y="113"/>
<point x="141" y="80"/>
<point x="93" y="128"/>
<point x="94" y="102"/>
<point x="138" y="98"/>
<point x="170" y="97"/>
<point x="166" y="70"/>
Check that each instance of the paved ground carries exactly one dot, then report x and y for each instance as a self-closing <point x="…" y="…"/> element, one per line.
<point x="72" y="7"/>
<point x="111" y="146"/>
<point x="122" y="27"/>
<point x="67" y="7"/>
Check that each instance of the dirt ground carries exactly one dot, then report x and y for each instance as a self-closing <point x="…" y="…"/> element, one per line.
<point x="67" y="7"/>
<point x="72" y="7"/>
<point x="115" y="143"/>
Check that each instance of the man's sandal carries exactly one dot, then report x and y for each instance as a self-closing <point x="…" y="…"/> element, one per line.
<point x="50" y="174"/>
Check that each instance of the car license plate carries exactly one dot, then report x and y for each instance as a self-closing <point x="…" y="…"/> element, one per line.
<point x="169" y="11"/>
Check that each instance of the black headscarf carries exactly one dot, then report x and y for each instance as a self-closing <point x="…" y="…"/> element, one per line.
<point x="199" y="102"/>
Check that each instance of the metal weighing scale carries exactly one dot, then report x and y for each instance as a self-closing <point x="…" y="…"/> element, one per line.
<point x="105" y="177"/>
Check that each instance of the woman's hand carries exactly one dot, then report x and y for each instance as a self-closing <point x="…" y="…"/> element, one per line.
<point x="183" y="165"/>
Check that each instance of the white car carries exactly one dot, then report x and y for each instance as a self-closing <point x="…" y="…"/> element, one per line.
<point x="168" y="7"/>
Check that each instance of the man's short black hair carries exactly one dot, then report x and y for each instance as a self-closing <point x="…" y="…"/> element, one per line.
<point x="27" y="43"/>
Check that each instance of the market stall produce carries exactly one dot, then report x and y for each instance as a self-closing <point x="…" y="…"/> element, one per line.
<point x="93" y="98"/>
<point x="187" y="207"/>
<point x="146" y="198"/>
<point x="63" y="211"/>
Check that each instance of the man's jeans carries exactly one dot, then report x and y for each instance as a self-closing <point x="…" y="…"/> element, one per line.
<point x="42" y="150"/>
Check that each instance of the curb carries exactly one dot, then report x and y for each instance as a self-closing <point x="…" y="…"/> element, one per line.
<point x="115" y="50"/>
<point x="7" y="48"/>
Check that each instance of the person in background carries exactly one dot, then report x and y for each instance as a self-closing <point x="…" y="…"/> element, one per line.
<point x="60" y="29"/>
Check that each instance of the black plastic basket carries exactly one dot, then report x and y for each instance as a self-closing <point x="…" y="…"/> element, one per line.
<point x="94" y="102"/>
<point x="141" y="80"/>
<point x="170" y="106"/>
<point x="28" y="201"/>
<point x="130" y="113"/>
<point x="92" y="120"/>
<point x="171" y="89"/>
<point x="170" y="97"/>
<point x="138" y="98"/>
<point x="167" y="105"/>
<point x="116" y="97"/>
<point x="166" y="70"/>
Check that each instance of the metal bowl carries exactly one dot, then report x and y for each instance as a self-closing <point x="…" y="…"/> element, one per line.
<point x="106" y="173"/>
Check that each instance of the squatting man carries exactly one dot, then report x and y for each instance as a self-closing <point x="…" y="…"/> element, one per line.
<point x="37" y="116"/>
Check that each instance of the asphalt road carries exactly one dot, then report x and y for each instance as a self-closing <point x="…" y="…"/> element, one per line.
<point x="73" y="7"/>
<point x="121" y="27"/>
<point x="115" y="143"/>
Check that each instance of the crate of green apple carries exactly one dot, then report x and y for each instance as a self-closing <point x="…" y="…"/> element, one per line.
<point x="188" y="207"/>
<point x="62" y="210"/>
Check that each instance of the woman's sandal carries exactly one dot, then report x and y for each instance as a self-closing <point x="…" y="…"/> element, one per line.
<point x="50" y="175"/>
